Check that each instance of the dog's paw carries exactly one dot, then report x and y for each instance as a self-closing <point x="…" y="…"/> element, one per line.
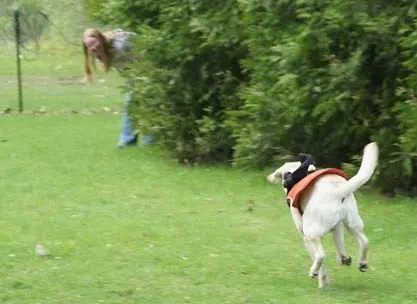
<point x="345" y="260"/>
<point x="313" y="274"/>
<point x="363" y="266"/>
<point x="323" y="280"/>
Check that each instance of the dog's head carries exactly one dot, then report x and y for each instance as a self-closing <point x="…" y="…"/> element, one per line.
<point x="277" y="176"/>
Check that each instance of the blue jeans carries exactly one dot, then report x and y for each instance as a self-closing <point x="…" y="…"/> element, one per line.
<point x="128" y="135"/>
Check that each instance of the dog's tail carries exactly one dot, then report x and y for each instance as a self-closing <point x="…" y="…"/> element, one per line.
<point x="368" y="165"/>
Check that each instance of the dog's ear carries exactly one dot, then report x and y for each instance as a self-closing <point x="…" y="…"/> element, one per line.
<point x="276" y="176"/>
<point x="312" y="168"/>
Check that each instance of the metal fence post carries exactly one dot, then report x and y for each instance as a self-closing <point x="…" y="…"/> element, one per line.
<point x="19" y="70"/>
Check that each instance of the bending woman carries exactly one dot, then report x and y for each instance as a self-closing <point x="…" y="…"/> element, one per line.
<point x="112" y="49"/>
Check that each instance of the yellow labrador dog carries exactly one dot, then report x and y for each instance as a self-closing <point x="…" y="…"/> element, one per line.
<point x="327" y="205"/>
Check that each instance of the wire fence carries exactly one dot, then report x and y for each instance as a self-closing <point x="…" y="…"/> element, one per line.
<point x="37" y="25"/>
<point x="48" y="53"/>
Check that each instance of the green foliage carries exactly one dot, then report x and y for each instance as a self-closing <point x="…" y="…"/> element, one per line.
<point x="256" y="81"/>
<point x="124" y="13"/>
<point x="187" y="77"/>
<point x="327" y="84"/>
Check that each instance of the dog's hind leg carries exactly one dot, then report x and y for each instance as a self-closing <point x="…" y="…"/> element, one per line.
<point x="363" y="247"/>
<point x="339" y="242"/>
<point x="355" y="225"/>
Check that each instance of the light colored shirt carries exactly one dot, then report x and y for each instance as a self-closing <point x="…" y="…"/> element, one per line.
<point x="121" y="49"/>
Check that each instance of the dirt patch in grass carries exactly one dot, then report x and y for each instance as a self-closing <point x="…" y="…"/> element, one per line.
<point x="45" y="111"/>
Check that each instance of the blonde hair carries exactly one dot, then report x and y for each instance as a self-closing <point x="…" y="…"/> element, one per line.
<point x="105" y="39"/>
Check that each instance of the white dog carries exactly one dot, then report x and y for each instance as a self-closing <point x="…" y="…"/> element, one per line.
<point x="328" y="204"/>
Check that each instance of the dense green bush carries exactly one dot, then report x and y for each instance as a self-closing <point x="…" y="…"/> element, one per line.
<point x="335" y="69"/>
<point x="326" y="84"/>
<point x="188" y="73"/>
<point x="256" y="81"/>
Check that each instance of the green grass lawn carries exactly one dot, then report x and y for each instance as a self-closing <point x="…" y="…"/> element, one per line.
<point x="133" y="226"/>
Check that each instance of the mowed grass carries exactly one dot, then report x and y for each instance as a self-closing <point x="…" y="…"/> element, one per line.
<point x="52" y="81"/>
<point x="134" y="226"/>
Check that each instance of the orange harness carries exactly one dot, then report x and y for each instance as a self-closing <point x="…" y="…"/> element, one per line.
<point x="294" y="194"/>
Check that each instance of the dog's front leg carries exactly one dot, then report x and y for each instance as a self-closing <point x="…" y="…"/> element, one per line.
<point x="322" y="273"/>
<point x="317" y="252"/>
<point x="297" y="218"/>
